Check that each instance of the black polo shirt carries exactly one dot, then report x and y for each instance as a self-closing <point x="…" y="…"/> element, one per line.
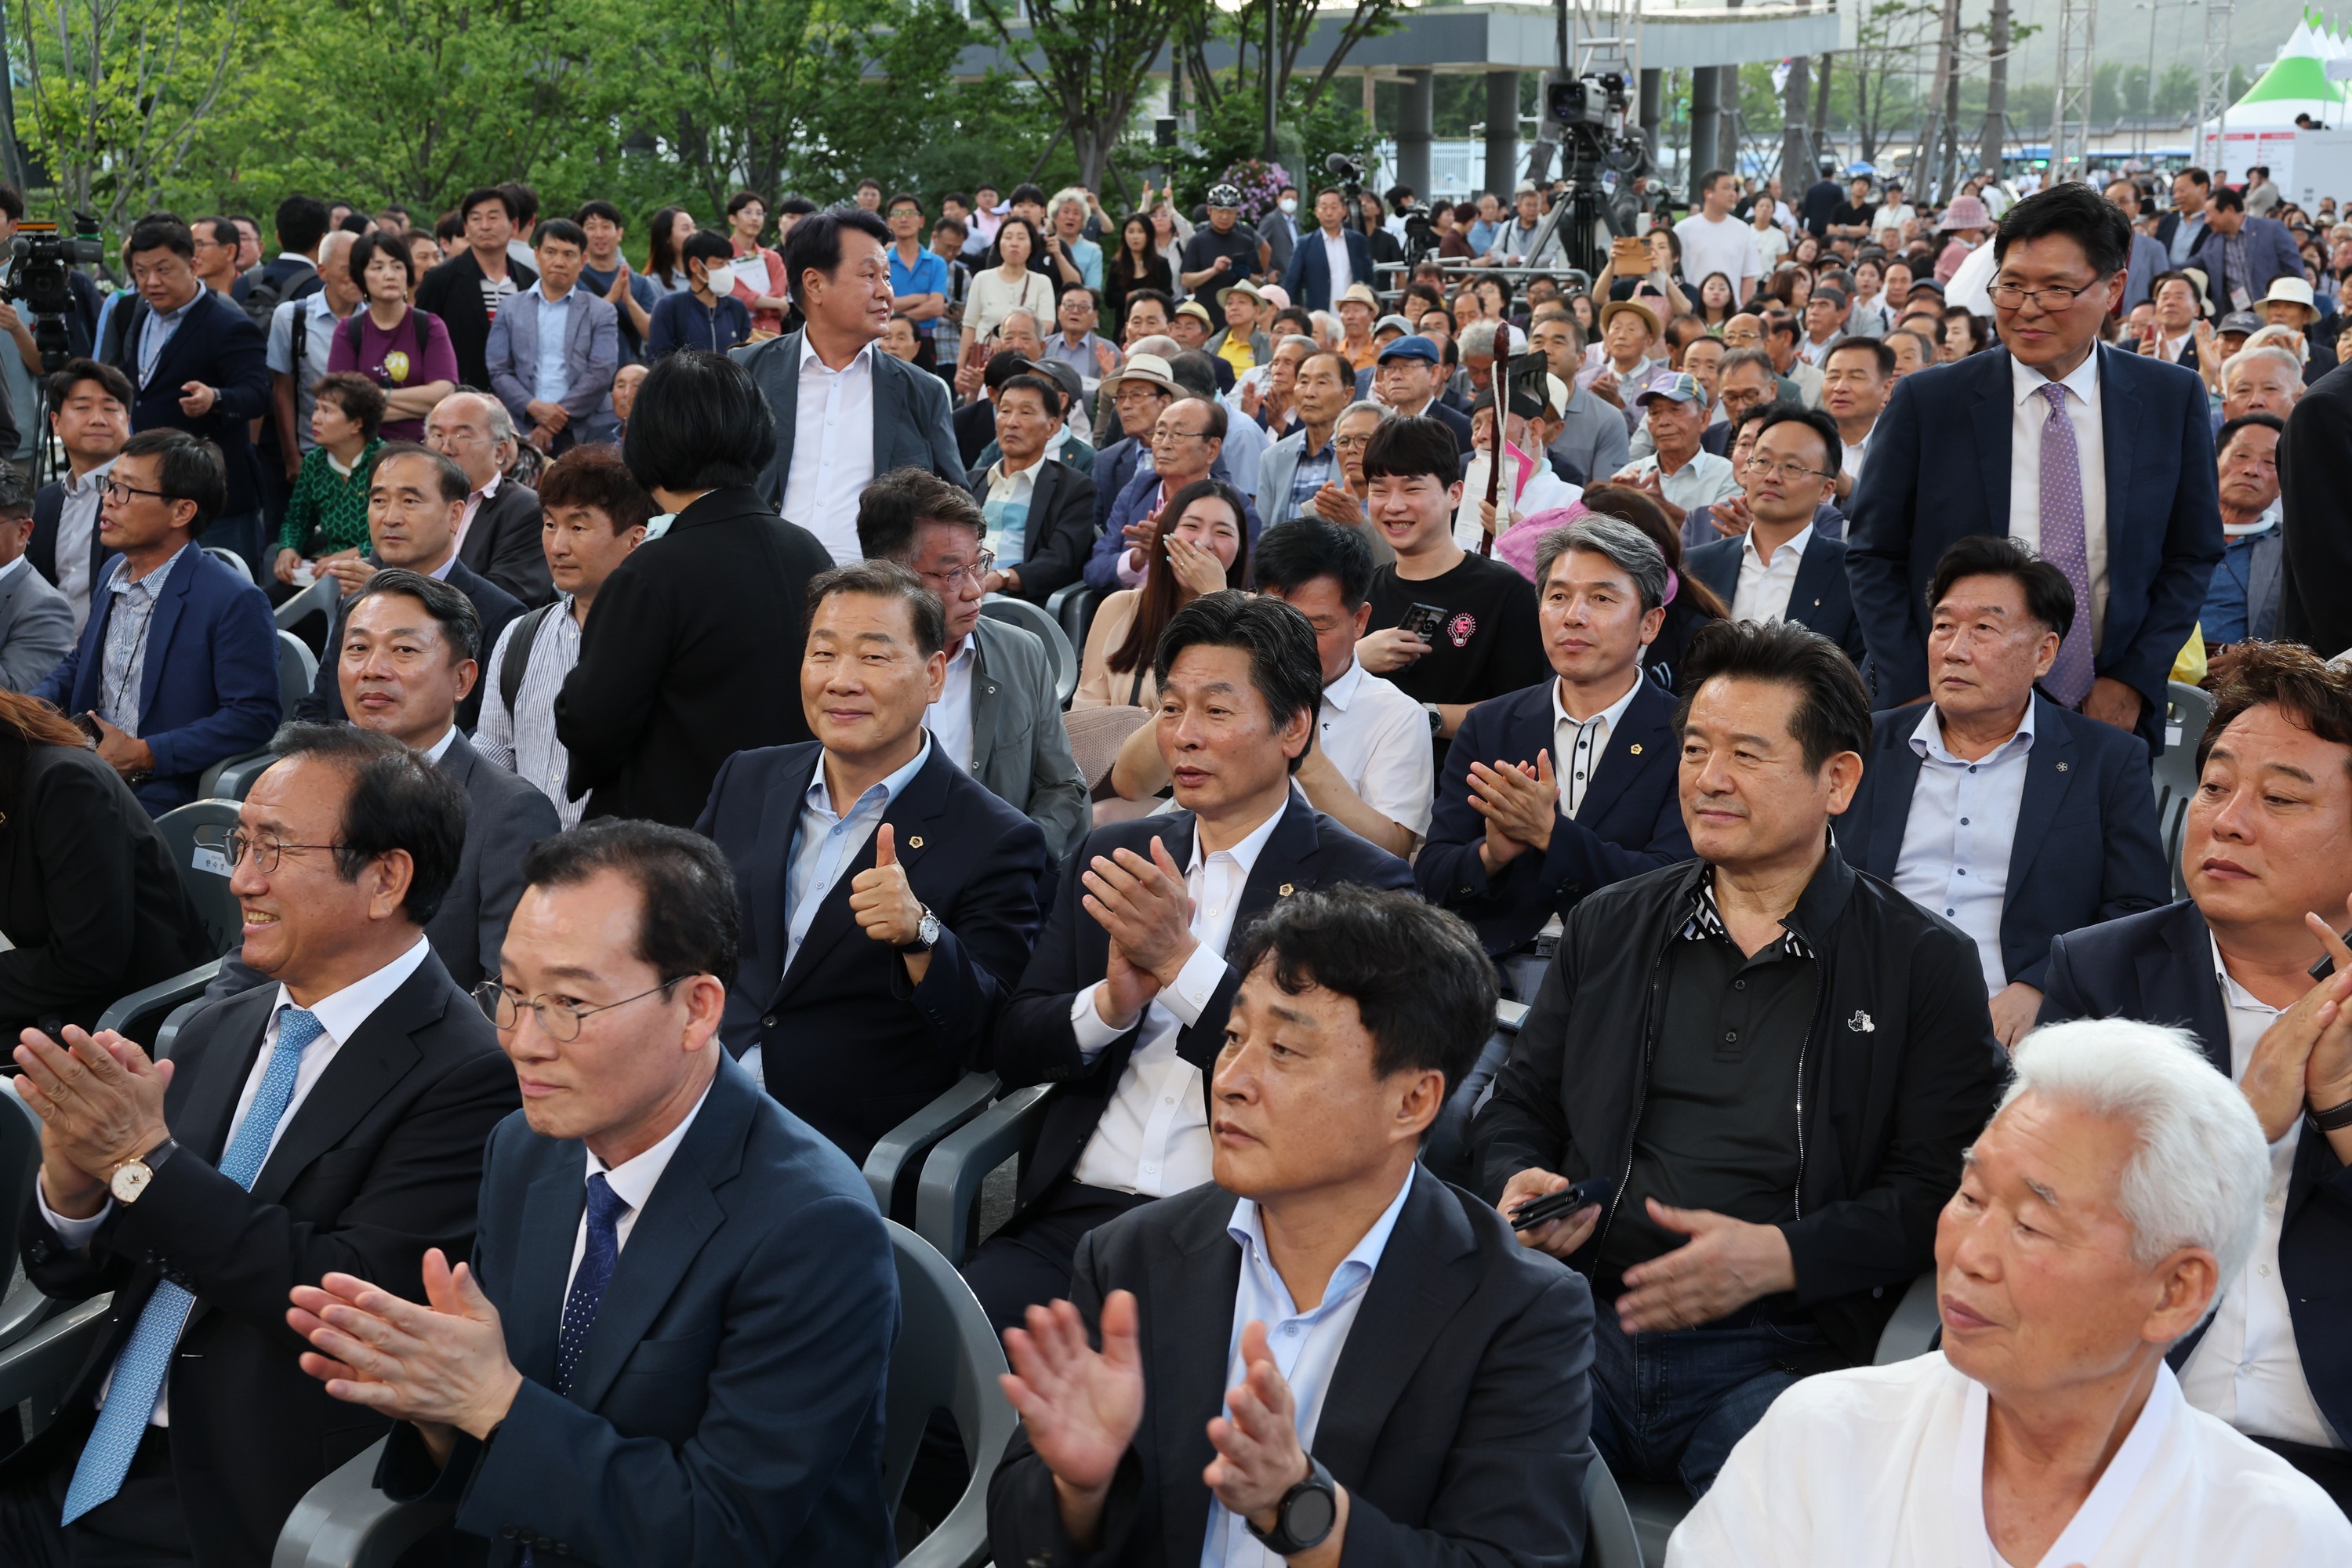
<point x="1240" y="249"/>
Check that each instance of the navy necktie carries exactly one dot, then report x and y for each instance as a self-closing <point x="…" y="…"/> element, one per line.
<point x="604" y="1211"/>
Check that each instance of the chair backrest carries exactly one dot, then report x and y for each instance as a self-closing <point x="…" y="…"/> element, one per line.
<point x="1609" y="1538"/>
<point x="230" y="559"/>
<point x="2174" y="774"/>
<point x="20" y="1160"/>
<point x="298" y="669"/>
<point x="205" y="872"/>
<point x="1095" y="736"/>
<point x="947" y="1358"/>
<point x="1033" y="618"/>
<point x="318" y="599"/>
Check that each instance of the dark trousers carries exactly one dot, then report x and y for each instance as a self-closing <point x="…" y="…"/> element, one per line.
<point x="1669" y="1406"/>
<point x="1028" y="1262"/>
<point x="2331" y="1468"/>
<point x="140" y="1527"/>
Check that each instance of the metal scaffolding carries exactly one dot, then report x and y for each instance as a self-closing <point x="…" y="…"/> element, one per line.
<point x="2070" y="117"/>
<point x="2214" y="78"/>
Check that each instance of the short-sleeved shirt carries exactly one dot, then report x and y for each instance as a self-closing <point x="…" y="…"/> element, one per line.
<point x="1201" y="251"/>
<point x="390" y="360"/>
<point x="319" y="328"/>
<point x="928" y="275"/>
<point x="1848" y="214"/>
<point x="1487" y="644"/>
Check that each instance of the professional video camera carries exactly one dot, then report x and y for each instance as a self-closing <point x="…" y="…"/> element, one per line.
<point x="1605" y="163"/>
<point x="43" y="259"/>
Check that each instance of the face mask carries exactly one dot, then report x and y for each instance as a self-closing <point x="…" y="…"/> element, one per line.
<point x="1288" y="204"/>
<point x="722" y="280"/>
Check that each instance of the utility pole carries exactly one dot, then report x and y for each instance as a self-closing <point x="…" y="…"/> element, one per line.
<point x="1993" y="142"/>
<point x="1796" y="143"/>
<point x="1272" y="153"/>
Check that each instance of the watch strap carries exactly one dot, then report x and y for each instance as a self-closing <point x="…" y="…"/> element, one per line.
<point x="1281" y="1541"/>
<point x="153" y="1159"/>
<point x="2335" y="1119"/>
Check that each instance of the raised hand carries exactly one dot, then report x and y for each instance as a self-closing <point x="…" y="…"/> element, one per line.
<point x="1145" y="906"/>
<point x="443" y="1366"/>
<point x="1196" y="566"/>
<point x="1521" y="805"/>
<point x="1080" y="1406"/>
<point x="1258" y="1457"/>
<point x="884" y="905"/>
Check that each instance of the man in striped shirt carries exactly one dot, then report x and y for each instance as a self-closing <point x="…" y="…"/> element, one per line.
<point x="592" y="515"/>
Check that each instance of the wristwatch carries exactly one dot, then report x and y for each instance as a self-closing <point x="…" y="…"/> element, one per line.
<point x="131" y="1177"/>
<point x="926" y="934"/>
<point x="1437" y="717"/>
<point x="1304" y="1516"/>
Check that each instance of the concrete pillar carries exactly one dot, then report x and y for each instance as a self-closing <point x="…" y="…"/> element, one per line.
<point x="1416" y="97"/>
<point x="1706" y="128"/>
<point x="1502" y="133"/>
<point x="1650" y="107"/>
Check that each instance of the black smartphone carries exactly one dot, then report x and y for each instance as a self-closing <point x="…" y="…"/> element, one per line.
<point x="2327" y="965"/>
<point x="1423" y="621"/>
<point x="87" y="725"/>
<point x="1563" y="1202"/>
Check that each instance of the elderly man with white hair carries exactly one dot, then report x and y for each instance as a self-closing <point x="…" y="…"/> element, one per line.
<point x="2267" y="379"/>
<point x="2117" y="1189"/>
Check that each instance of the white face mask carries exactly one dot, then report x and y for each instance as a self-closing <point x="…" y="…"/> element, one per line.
<point x="1288" y="204"/>
<point x="722" y="278"/>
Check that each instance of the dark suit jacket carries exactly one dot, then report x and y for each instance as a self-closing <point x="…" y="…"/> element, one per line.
<point x="910" y="414"/>
<point x="1061" y="528"/>
<point x="89" y="894"/>
<point x="1308" y="277"/>
<point x="2157" y="967"/>
<point x="1114" y="465"/>
<point x="48" y="512"/>
<point x="1456" y="1416"/>
<point x="217" y="344"/>
<point x="502" y="544"/>
<point x="208" y="688"/>
<point x="2086" y="848"/>
<point x="1821" y="597"/>
<point x="727" y="1407"/>
<point x="505" y="816"/>
<point x="2270" y="255"/>
<point x="324" y="705"/>
<point x="1939" y="471"/>
<point x="381" y="1160"/>
<point x="692" y="656"/>
<point x="2316" y="537"/>
<point x="1035" y="1043"/>
<point x="1630" y="820"/>
<point x="847" y="1043"/>
<point x="453" y="291"/>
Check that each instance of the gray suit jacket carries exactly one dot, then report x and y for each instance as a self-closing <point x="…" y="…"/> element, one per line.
<point x="1275" y="471"/>
<point x="911" y="428"/>
<point x="37" y="629"/>
<point x="592" y="352"/>
<point x="2262" y="586"/>
<point x="1020" y="750"/>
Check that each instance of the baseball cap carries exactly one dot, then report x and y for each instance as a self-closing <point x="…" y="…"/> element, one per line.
<point x="1682" y="386"/>
<point x="1414" y="347"/>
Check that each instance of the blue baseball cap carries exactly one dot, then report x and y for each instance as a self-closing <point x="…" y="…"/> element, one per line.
<point x="1414" y="347"/>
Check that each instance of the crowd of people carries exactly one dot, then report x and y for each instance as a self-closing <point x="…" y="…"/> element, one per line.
<point x="1205" y="668"/>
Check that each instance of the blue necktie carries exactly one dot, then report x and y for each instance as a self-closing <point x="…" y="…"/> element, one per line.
<point x="605" y="1208"/>
<point x="140" y="1369"/>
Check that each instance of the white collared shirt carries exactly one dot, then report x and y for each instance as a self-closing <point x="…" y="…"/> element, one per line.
<point x="77" y="522"/>
<point x="633" y="1181"/>
<point x="440" y="748"/>
<point x="833" y="449"/>
<point x="1335" y="258"/>
<point x="1578" y="745"/>
<point x="950" y="718"/>
<point x="2246" y="1369"/>
<point x="2083" y="412"/>
<point x="1153" y="1138"/>
<point x="474" y="504"/>
<point x="339" y="1016"/>
<point x="1377" y="738"/>
<point x="1956" y="842"/>
<point x="1765" y="586"/>
<point x="1850" y="456"/>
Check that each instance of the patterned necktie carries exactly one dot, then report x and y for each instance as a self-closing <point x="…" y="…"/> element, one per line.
<point x="605" y="1208"/>
<point x="146" y="1357"/>
<point x="2063" y="545"/>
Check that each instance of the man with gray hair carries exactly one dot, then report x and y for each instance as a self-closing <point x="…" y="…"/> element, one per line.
<point x="499" y="532"/>
<point x="2267" y="379"/>
<point x="2118" y="1189"/>
<point x="1568" y="785"/>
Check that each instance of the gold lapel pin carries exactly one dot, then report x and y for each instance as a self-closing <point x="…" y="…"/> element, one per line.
<point x="2062" y="768"/>
<point x="916" y="842"/>
<point x="1285" y="890"/>
<point x="1635" y="748"/>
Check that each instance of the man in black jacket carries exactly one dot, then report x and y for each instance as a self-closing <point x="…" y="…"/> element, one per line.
<point x="467" y="289"/>
<point x="1767" y="1053"/>
<point x="499" y="532"/>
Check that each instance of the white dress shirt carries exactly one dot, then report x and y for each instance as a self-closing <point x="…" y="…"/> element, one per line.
<point x="339" y="1016"/>
<point x="2031" y="409"/>
<point x="1703" y="481"/>
<point x="1765" y="586"/>
<point x="950" y="718"/>
<point x="1956" y="842"/>
<point x="76" y="520"/>
<point x="2246" y="1369"/>
<point x="1850" y="456"/>
<point x="1335" y="257"/>
<point x="633" y="1181"/>
<point x="1153" y="1138"/>
<point x="1306" y="1347"/>
<point x="474" y="504"/>
<point x="1378" y="740"/>
<point x="833" y="450"/>
<point x="1578" y="745"/>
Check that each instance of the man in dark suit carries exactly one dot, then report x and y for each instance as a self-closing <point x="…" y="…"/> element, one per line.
<point x="1308" y="277"/>
<point x="332" y="1121"/>
<point x="2315" y="529"/>
<point x="197" y="681"/>
<point x="1054" y="502"/>
<point x="2102" y="461"/>
<point x="679" y="1316"/>
<point x="460" y="291"/>
<point x="415" y="498"/>
<point x="679" y="666"/>
<point x="1124" y="1002"/>
<point x="89" y="413"/>
<point x="199" y="364"/>
<point x="2243" y="255"/>
<point x="1783" y="568"/>
<point x="2267" y="855"/>
<point x="1553" y="791"/>
<point x="1993" y="806"/>
<point x="891" y="900"/>
<point x="499" y="532"/>
<point x="841" y="285"/>
<point x="1435" y="1404"/>
<point x="293" y="272"/>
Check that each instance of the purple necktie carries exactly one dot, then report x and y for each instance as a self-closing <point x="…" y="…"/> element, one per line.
<point x="2069" y="680"/>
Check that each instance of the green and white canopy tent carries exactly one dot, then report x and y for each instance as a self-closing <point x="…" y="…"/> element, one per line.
<point x="2260" y="128"/>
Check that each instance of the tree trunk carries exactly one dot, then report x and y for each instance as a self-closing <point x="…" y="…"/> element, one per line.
<point x="1996" y="122"/>
<point x="1796" y="156"/>
<point x="1821" y="126"/>
<point x="1945" y="87"/>
<point x="1951" y="164"/>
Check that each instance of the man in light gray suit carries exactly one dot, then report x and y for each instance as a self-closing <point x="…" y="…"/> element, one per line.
<point x="1000" y="715"/>
<point x="557" y="398"/>
<point x="865" y="413"/>
<point x="37" y="625"/>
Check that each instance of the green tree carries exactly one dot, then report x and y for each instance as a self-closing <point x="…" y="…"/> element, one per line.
<point x="1090" y="60"/>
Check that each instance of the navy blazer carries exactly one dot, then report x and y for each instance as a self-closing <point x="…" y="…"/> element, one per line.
<point x="219" y="345"/>
<point x="2086" y="848"/>
<point x="1035" y="1042"/>
<point x="1114" y="465"/>
<point x="1939" y="471"/>
<point x="845" y="1042"/>
<point x="208" y="687"/>
<point x="1308" y="277"/>
<point x="1630" y="820"/>
<point x="1821" y="597"/>
<point x="2157" y="967"/>
<point x="728" y="1406"/>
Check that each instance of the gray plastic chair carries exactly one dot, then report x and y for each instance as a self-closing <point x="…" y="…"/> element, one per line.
<point x="230" y="559"/>
<point x="145" y="1016"/>
<point x="298" y="670"/>
<point x="203" y="868"/>
<point x="318" y="599"/>
<point x="899" y="1153"/>
<point x="2186" y="711"/>
<point x="1074" y="607"/>
<point x="1033" y="618"/>
<point x="1609" y="1538"/>
<point x="40" y="1366"/>
<point x="947" y="1199"/>
<point x="1446" y="1153"/>
<point x="20" y="1162"/>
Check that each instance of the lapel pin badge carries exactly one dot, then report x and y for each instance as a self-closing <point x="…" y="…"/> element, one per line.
<point x="2062" y="768"/>
<point x="1860" y="1023"/>
<point x="1285" y="890"/>
<point x="1635" y="748"/>
<point x="916" y="842"/>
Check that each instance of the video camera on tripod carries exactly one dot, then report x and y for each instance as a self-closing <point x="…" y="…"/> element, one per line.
<point x="1605" y="163"/>
<point x="42" y="262"/>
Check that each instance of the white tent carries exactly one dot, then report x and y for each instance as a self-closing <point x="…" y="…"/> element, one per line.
<point x="2260" y="128"/>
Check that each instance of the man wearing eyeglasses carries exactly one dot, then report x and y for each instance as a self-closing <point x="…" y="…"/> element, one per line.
<point x="2100" y="461"/>
<point x="1781" y="568"/>
<point x="1187" y="443"/>
<point x="331" y="1119"/>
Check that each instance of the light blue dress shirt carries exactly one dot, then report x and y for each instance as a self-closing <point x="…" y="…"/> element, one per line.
<point x="156" y="332"/>
<point x="1956" y="842"/>
<point x="553" y="380"/>
<point x="823" y="840"/>
<point x="1306" y="1347"/>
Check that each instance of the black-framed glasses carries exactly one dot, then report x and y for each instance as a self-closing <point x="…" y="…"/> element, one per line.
<point x="505" y="1008"/>
<point x="2010" y="297"/>
<point x="118" y="492"/>
<point x="233" y="844"/>
<point x="977" y="572"/>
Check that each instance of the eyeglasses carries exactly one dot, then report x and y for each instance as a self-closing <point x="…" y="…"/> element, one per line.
<point x="977" y="572"/>
<point x="118" y="492"/>
<point x="560" y="1020"/>
<point x="233" y="844"/>
<point x="1166" y="433"/>
<point x="2010" y="297"/>
<point x="1772" y="468"/>
<point x="1349" y="442"/>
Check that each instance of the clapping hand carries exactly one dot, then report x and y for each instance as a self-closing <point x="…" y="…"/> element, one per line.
<point x="443" y="1366"/>
<point x="1520" y="804"/>
<point x="1079" y="1406"/>
<point x="1334" y="504"/>
<point x="1142" y="535"/>
<point x="1730" y="515"/>
<point x="2305" y="1058"/>
<point x="1258" y="1456"/>
<point x="99" y="1101"/>
<point x="1145" y="906"/>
